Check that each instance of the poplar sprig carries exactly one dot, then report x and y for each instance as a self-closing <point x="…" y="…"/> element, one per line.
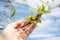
<point x="33" y="18"/>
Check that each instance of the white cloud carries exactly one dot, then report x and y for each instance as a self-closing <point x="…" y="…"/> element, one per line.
<point x="33" y="3"/>
<point x="44" y="27"/>
<point x="18" y="1"/>
<point x="56" y="24"/>
<point x="55" y="12"/>
<point x="52" y="38"/>
<point x="41" y="35"/>
<point x="45" y="23"/>
<point x="52" y="29"/>
<point x="1" y="27"/>
<point x="51" y="2"/>
<point x="45" y="36"/>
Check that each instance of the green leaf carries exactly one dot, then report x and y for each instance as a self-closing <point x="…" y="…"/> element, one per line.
<point x="32" y="12"/>
<point x="28" y="19"/>
<point x="7" y="5"/>
<point x="41" y="12"/>
<point x="39" y="9"/>
<point x="9" y="0"/>
<point x="47" y="11"/>
<point x="13" y="12"/>
<point x="34" y="23"/>
<point x="42" y="7"/>
<point x="59" y="5"/>
<point x="39" y="21"/>
<point x="34" y="17"/>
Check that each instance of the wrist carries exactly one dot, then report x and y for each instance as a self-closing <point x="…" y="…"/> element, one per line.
<point x="1" y="37"/>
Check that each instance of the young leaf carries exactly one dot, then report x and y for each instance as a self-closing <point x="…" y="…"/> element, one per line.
<point x="39" y="21"/>
<point x="59" y="5"/>
<point x="32" y="12"/>
<point x="13" y="12"/>
<point x="28" y="19"/>
<point x="32" y="18"/>
<point x="35" y="24"/>
<point x="7" y="5"/>
<point x="42" y="7"/>
<point x="41" y="12"/>
<point x="9" y="0"/>
<point x="39" y="9"/>
<point x="47" y="11"/>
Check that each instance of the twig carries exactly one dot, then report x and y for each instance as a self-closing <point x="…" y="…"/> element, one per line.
<point x="1" y="28"/>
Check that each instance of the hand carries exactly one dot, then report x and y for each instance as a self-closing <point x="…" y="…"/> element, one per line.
<point x="16" y="31"/>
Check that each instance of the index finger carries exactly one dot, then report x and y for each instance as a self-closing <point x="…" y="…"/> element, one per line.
<point x="19" y="24"/>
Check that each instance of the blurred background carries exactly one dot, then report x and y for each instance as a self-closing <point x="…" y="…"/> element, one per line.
<point x="15" y="10"/>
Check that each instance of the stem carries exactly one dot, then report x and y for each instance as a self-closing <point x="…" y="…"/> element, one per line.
<point x="1" y="28"/>
<point x="24" y="25"/>
<point x="38" y="16"/>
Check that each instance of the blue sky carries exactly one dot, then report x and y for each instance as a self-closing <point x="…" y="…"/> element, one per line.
<point x="49" y="29"/>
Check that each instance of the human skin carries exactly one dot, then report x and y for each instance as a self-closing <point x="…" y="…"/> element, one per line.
<point x="15" y="31"/>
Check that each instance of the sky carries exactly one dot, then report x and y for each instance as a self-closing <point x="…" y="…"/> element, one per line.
<point x="49" y="29"/>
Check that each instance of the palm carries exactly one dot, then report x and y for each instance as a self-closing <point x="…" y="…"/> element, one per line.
<point x="14" y="31"/>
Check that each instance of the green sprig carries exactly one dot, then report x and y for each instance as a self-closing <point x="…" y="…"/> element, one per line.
<point x="13" y="12"/>
<point x="33" y="18"/>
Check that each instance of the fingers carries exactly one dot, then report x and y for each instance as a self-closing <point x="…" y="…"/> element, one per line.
<point x="28" y="25"/>
<point x="25" y="27"/>
<point x="19" y="24"/>
<point x="28" y="29"/>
